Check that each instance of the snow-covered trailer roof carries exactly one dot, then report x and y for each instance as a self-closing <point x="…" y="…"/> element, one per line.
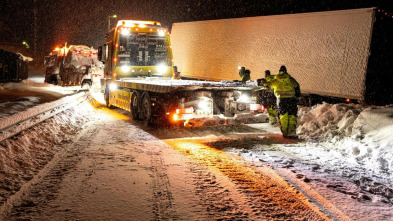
<point x="327" y="52"/>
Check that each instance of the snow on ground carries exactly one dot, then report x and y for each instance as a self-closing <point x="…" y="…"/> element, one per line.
<point x="16" y="97"/>
<point x="354" y="134"/>
<point x="23" y="156"/>
<point x="346" y="142"/>
<point x="350" y="141"/>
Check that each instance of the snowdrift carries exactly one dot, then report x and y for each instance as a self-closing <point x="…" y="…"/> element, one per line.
<point x="361" y="135"/>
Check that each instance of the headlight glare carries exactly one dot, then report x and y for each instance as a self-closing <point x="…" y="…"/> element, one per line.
<point x="244" y="98"/>
<point x="112" y="86"/>
<point x="162" y="68"/>
<point x="125" y="68"/>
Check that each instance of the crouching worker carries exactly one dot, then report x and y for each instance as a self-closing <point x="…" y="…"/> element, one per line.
<point x="244" y="74"/>
<point x="267" y="97"/>
<point x="287" y="90"/>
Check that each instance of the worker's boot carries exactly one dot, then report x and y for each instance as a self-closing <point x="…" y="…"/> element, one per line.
<point x="284" y="121"/>
<point x="272" y="115"/>
<point x="292" y="126"/>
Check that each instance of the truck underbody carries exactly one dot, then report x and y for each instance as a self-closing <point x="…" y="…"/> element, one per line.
<point x="171" y="101"/>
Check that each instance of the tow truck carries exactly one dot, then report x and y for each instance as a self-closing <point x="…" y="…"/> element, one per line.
<point x="140" y="77"/>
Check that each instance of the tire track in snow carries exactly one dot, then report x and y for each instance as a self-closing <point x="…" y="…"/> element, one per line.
<point x="35" y="201"/>
<point x="163" y="199"/>
<point x="271" y="197"/>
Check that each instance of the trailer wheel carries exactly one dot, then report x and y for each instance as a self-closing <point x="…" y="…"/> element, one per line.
<point x="135" y="98"/>
<point x="146" y="108"/>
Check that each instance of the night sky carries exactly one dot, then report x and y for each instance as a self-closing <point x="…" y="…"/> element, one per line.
<point x="85" y="21"/>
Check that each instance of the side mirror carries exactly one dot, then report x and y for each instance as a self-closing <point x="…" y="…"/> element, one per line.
<point x="101" y="54"/>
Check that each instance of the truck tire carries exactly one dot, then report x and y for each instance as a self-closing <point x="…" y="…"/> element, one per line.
<point x="135" y="98"/>
<point x="146" y="108"/>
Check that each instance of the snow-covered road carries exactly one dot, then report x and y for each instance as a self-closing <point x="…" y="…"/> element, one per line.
<point x="92" y="163"/>
<point x="113" y="168"/>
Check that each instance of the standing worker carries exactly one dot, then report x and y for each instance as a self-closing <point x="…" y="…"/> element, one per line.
<point x="268" y="99"/>
<point x="287" y="90"/>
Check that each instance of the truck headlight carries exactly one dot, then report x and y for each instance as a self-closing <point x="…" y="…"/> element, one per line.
<point x="125" y="68"/>
<point x="203" y="105"/>
<point x="125" y="31"/>
<point x="244" y="98"/>
<point x="112" y="86"/>
<point x="162" y="68"/>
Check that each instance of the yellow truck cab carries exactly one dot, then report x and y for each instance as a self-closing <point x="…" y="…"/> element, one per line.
<point x="137" y="48"/>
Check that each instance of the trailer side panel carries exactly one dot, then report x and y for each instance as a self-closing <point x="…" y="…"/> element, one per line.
<point x="327" y="52"/>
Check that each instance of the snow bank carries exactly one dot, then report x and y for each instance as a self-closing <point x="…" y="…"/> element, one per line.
<point x="24" y="155"/>
<point x="362" y="135"/>
<point x="328" y="121"/>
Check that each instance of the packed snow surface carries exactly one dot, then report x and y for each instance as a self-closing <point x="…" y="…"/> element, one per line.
<point x="16" y="97"/>
<point x="350" y="141"/>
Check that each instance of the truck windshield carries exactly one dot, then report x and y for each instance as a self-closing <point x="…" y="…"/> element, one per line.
<point x="142" y="49"/>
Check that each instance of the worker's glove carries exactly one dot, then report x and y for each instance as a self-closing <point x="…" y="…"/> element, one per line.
<point x="262" y="82"/>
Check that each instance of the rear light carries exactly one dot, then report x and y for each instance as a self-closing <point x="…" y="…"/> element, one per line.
<point x="175" y="117"/>
<point x="257" y="107"/>
<point x="189" y="110"/>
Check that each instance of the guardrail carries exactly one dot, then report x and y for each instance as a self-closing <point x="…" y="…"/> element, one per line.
<point x="21" y="121"/>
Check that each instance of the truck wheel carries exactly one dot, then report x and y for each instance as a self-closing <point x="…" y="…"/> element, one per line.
<point x="146" y="108"/>
<point x="135" y="98"/>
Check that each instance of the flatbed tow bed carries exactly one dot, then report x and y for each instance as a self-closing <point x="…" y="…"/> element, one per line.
<point x="156" y="99"/>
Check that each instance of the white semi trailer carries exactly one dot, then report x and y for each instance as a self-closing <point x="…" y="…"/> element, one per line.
<point x="343" y="54"/>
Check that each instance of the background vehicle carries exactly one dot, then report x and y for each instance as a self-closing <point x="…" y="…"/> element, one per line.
<point x="13" y="66"/>
<point x="73" y="65"/>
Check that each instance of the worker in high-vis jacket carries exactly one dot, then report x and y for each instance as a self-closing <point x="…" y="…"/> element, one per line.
<point x="267" y="97"/>
<point x="287" y="90"/>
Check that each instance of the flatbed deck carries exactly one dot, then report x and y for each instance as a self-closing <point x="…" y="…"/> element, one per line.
<point x="164" y="85"/>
